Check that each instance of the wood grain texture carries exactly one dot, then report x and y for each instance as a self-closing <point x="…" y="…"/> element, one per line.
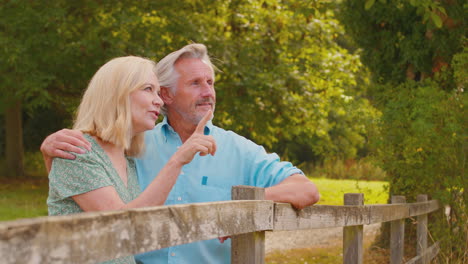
<point x="94" y="237"/>
<point x="248" y="248"/>
<point x="353" y="235"/>
<point x="397" y="235"/>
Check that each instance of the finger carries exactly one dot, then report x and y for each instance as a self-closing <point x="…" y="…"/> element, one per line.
<point x="64" y="155"/>
<point x="207" y="142"/>
<point x="75" y="140"/>
<point x="214" y="147"/>
<point x="203" y="150"/>
<point x="70" y="148"/>
<point x="201" y="125"/>
<point x="76" y="134"/>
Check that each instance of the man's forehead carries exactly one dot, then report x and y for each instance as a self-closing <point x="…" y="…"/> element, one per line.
<point x="193" y="67"/>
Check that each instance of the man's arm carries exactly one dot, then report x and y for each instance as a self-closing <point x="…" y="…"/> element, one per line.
<point x="296" y="189"/>
<point x="56" y="145"/>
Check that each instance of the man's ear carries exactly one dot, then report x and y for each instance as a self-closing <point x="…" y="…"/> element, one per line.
<point x="166" y="95"/>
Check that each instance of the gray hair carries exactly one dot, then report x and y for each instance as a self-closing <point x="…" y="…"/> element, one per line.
<point x="165" y="69"/>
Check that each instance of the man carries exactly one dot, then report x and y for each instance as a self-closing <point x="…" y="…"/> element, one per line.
<point x="187" y="79"/>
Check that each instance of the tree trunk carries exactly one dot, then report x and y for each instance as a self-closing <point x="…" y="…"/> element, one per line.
<point x="14" y="140"/>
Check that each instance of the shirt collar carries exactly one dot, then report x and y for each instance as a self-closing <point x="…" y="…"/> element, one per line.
<point x="167" y="127"/>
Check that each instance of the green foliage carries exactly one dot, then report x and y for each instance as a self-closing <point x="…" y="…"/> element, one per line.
<point x="423" y="149"/>
<point x="284" y="80"/>
<point x="362" y="169"/>
<point x="399" y="41"/>
<point x="416" y="51"/>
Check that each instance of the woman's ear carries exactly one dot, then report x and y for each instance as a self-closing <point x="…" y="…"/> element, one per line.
<point x="166" y="95"/>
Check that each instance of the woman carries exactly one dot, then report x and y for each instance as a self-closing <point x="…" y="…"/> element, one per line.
<point x="121" y="102"/>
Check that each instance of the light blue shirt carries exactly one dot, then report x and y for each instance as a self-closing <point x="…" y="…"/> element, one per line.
<point x="238" y="161"/>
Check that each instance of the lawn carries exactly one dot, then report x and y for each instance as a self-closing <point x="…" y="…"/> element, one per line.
<point x="23" y="198"/>
<point x="332" y="191"/>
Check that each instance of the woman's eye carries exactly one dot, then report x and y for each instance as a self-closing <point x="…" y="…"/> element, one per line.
<point x="148" y="88"/>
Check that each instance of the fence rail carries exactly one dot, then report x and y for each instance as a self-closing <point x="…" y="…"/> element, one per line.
<point x="99" y="236"/>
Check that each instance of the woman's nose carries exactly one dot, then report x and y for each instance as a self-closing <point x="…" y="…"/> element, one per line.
<point x="158" y="101"/>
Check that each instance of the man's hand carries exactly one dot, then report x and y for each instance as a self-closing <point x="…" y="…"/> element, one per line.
<point x="56" y="145"/>
<point x="197" y="143"/>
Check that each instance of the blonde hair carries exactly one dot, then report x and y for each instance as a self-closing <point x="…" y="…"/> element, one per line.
<point x="165" y="69"/>
<point x="105" y="109"/>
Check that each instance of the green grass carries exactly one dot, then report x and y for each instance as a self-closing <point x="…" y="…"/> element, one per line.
<point x="23" y="198"/>
<point x="332" y="191"/>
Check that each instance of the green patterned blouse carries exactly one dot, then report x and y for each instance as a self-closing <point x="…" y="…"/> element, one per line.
<point x="87" y="172"/>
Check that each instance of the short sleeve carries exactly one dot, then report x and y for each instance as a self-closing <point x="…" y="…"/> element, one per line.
<point x="83" y="174"/>
<point x="266" y="168"/>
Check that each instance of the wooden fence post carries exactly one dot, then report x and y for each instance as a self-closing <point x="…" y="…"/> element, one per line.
<point x="353" y="235"/>
<point x="248" y="248"/>
<point x="422" y="232"/>
<point x="397" y="234"/>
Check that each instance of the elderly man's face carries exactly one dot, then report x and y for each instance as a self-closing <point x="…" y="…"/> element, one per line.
<point x="194" y="94"/>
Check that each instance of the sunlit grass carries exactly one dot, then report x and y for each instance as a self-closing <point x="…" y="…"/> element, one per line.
<point x="332" y="191"/>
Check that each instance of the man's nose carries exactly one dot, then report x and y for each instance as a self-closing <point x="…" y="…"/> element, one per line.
<point x="207" y="90"/>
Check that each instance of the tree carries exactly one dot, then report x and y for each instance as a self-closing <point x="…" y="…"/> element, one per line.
<point x="50" y="51"/>
<point x="284" y="81"/>
<point x="416" y="51"/>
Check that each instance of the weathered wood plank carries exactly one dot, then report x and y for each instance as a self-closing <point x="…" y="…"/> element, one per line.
<point x="317" y="216"/>
<point x="423" y="207"/>
<point x="324" y="216"/>
<point x="94" y="237"/>
<point x="421" y="232"/>
<point x="353" y="235"/>
<point x="397" y="234"/>
<point x="248" y="248"/>
<point x="430" y="253"/>
<point x="387" y="212"/>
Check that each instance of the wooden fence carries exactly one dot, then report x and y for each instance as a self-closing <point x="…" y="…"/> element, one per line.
<point x="99" y="236"/>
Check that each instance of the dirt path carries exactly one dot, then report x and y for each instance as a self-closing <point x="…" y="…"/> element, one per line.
<point x="282" y="240"/>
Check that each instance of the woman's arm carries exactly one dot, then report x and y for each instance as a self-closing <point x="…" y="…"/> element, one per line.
<point x="107" y="198"/>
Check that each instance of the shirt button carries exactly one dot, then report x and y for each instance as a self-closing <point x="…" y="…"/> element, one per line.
<point x="173" y="254"/>
<point x="182" y="173"/>
<point x="179" y="198"/>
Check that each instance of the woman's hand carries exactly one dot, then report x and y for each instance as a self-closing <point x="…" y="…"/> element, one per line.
<point x="198" y="142"/>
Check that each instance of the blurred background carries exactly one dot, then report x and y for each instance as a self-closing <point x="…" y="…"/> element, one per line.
<point x="362" y="90"/>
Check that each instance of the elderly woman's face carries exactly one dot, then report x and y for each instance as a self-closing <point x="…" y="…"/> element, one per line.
<point x="146" y="105"/>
